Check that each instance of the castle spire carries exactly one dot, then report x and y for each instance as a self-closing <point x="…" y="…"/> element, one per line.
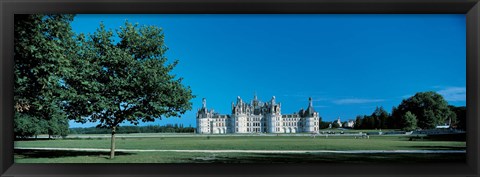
<point x="310" y="103"/>
<point x="204" y="103"/>
<point x="310" y="111"/>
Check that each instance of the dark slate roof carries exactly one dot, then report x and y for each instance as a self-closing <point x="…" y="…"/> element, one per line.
<point x="310" y="110"/>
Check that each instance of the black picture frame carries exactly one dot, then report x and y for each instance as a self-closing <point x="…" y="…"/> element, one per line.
<point x="10" y="7"/>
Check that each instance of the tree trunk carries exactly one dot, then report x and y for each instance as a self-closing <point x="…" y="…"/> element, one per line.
<point x="112" y="149"/>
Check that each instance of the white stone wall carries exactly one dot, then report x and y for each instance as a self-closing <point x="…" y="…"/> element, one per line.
<point x="219" y="125"/>
<point x="203" y="126"/>
<point x="257" y="124"/>
<point x="241" y="119"/>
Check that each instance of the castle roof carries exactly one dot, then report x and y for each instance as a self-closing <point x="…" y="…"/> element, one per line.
<point x="310" y="110"/>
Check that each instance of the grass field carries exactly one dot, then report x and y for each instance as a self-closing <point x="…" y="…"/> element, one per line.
<point x="237" y="143"/>
<point x="176" y="157"/>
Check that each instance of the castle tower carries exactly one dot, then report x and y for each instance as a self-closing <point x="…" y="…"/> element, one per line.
<point x="255" y="100"/>
<point x="203" y="118"/>
<point x="311" y="117"/>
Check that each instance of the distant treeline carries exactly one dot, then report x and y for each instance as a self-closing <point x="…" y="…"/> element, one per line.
<point x="169" y="128"/>
<point x="424" y="110"/>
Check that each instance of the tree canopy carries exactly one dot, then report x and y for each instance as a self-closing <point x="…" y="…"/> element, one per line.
<point x="430" y="109"/>
<point x="380" y="117"/>
<point x="409" y="121"/>
<point x="42" y="47"/>
<point x="125" y="81"/>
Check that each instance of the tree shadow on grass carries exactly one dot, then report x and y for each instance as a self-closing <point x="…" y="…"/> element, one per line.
<point x="61" y="153"/>
<point x="326" y="158"/>
<point x="31" y="139"/>
<point x="435" y="147"/>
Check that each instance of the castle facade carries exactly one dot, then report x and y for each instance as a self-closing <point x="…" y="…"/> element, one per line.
<point x="256" y="117"/>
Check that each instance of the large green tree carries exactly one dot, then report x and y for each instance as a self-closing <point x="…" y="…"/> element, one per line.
<point x="42" y="46"/>
<point x="430" y="109"/>
<point x="124" y="78"/>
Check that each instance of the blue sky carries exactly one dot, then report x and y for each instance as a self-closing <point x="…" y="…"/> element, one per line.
<point x="348" y="64"/>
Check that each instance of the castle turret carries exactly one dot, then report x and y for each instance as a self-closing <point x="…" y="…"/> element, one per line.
<point x="203" y="112"/>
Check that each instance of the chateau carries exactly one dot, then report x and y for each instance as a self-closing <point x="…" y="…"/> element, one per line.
<point x="256" y="117"/>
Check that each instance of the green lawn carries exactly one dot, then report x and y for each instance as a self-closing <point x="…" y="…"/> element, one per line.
<point x="238" y="143"/>
<point x="24" y="156"/>
<point x="252" y="143"/>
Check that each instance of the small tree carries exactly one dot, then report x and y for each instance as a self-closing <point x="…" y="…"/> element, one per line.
<point x="461" y="116"/>
<point x="393" y="121"/>
<point x="125" y="81"/>
<point x="380" y="116"/>
<point x="358" y="122"/>
<point x="335" y="124"/>
<point x="27" y="126"/>
<point x="368" y="122"/>
<point x="410" y="121"/>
